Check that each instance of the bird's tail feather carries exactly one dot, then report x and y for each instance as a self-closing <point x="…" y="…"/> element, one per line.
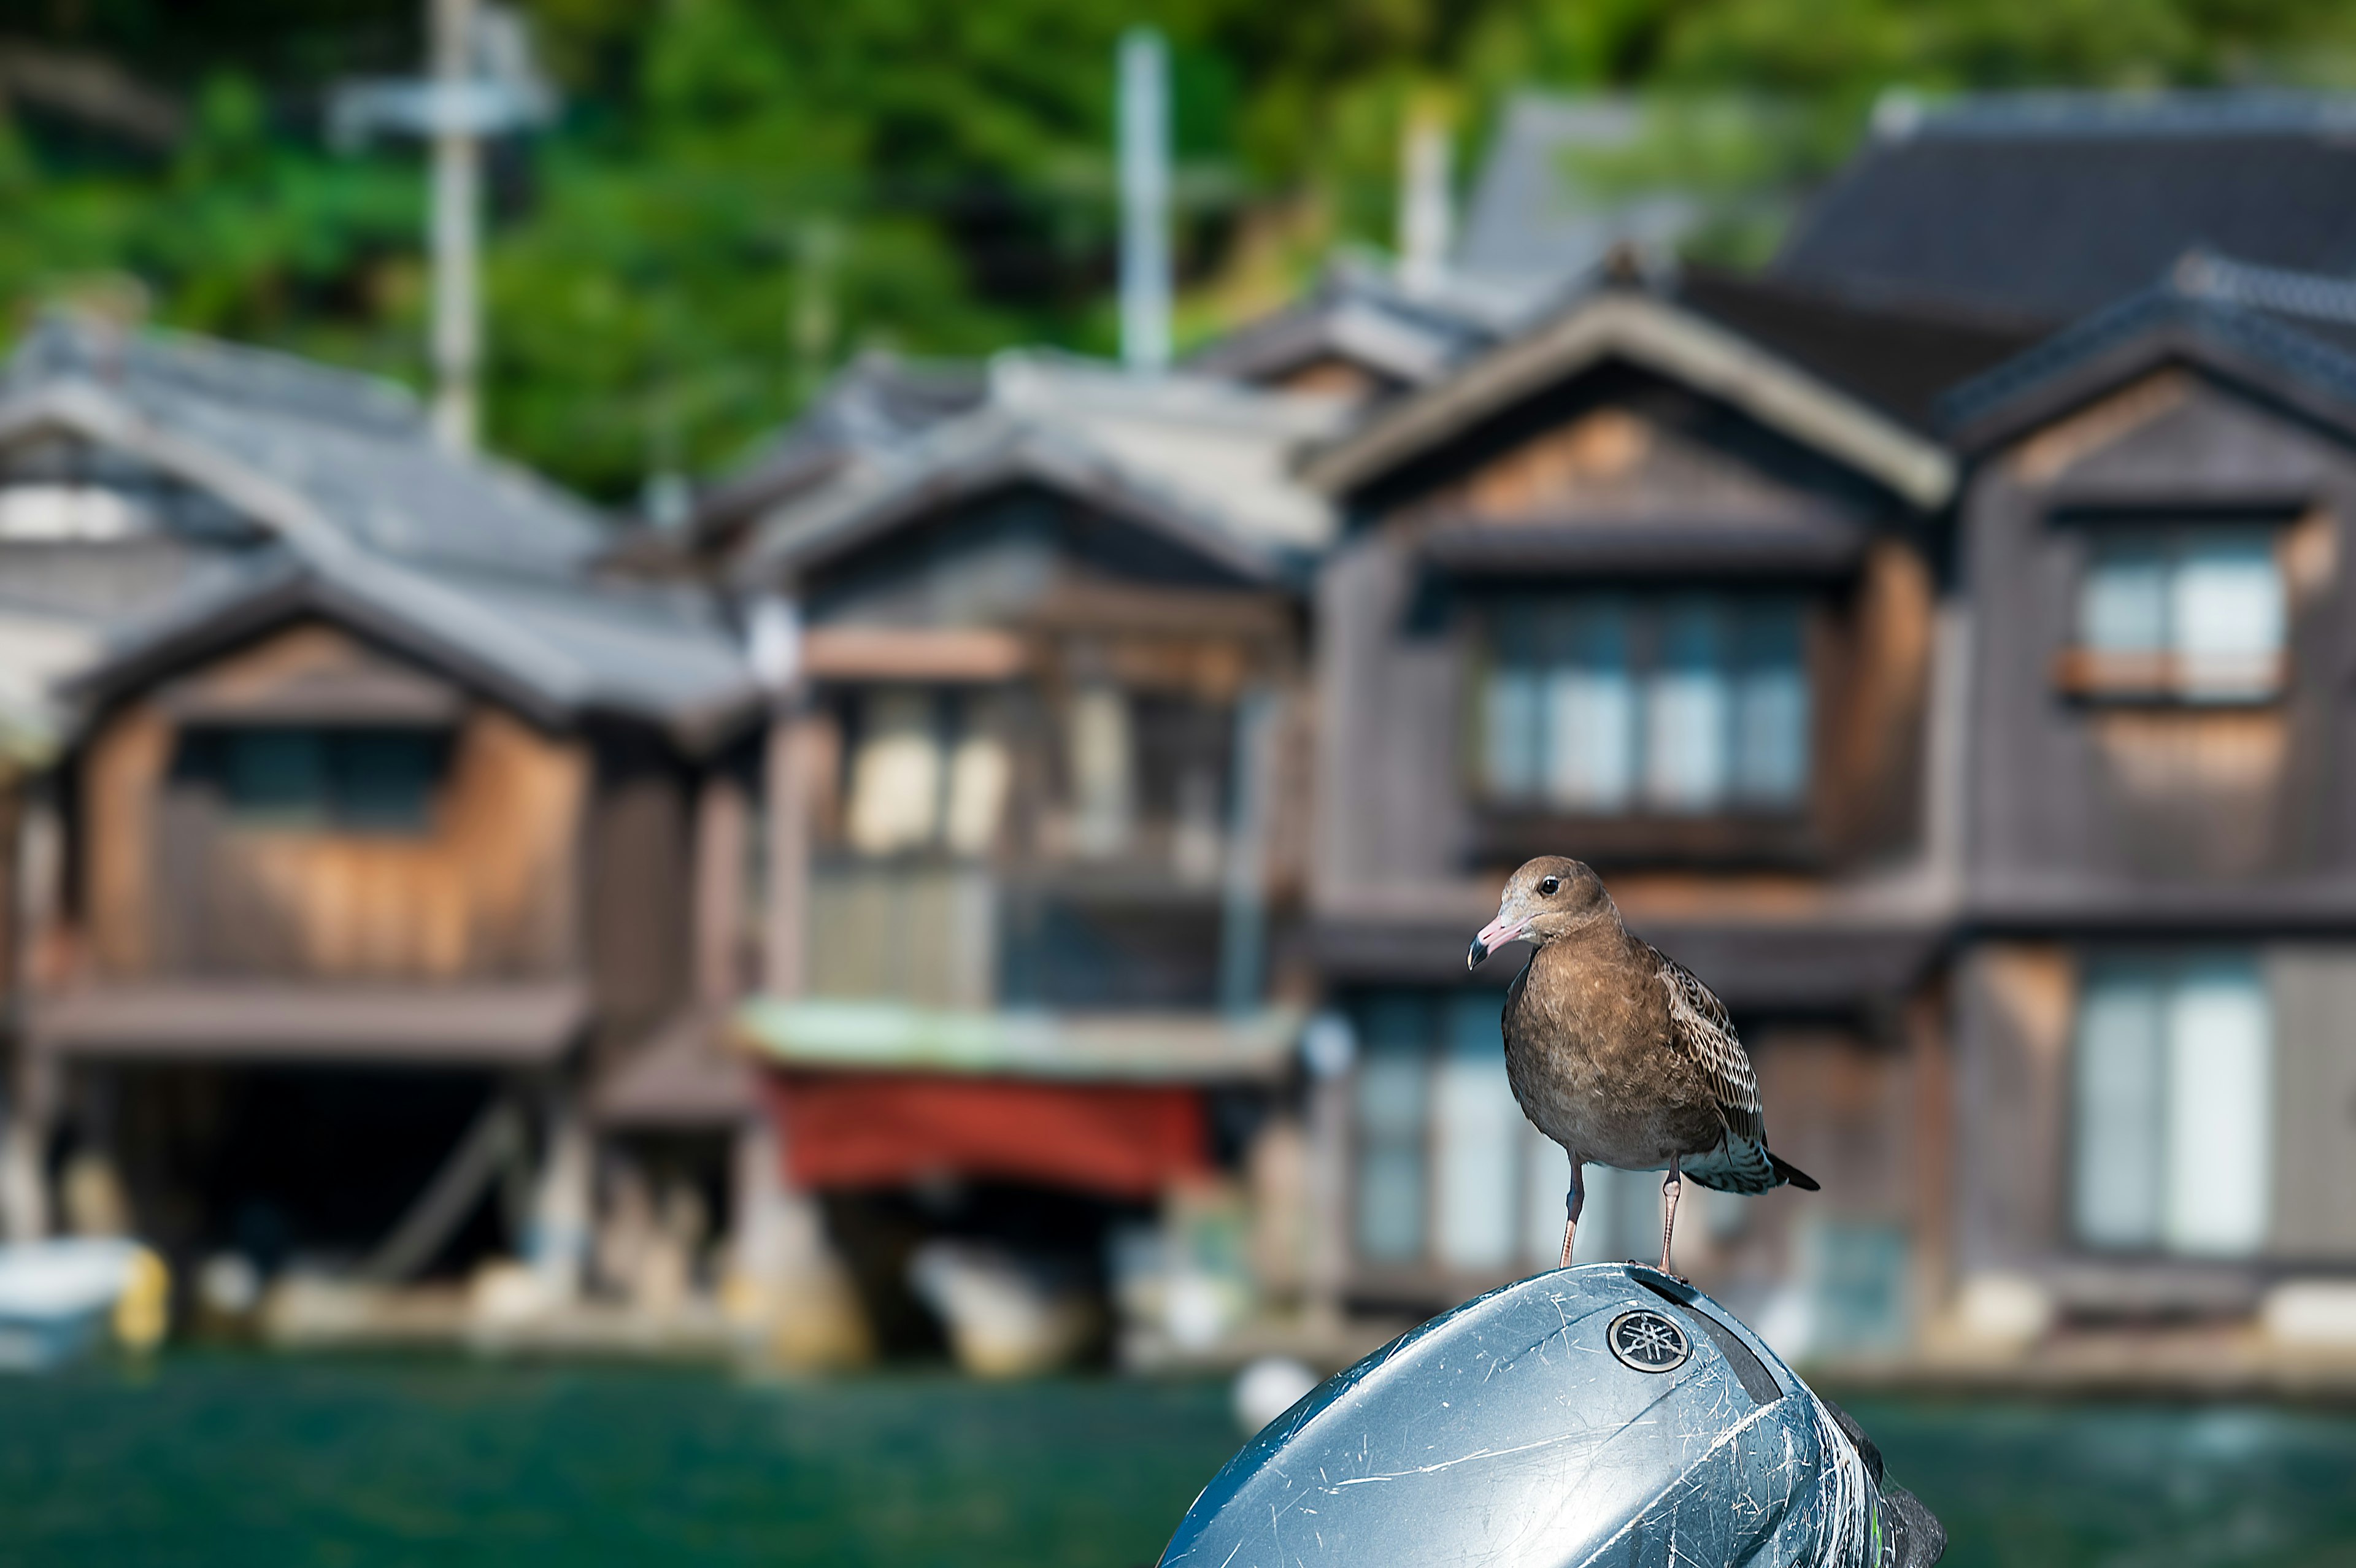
<point x="1794" y="1174"/>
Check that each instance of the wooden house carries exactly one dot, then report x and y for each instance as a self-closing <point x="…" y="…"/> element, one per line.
<point x="1631" y="588"/>
<point x="2153" y="1065"/>
<point x="377" y="817"/>
<point x="1036" y="810"/>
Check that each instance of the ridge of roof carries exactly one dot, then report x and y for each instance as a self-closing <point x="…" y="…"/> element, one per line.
<point x="2202" y="303"/>
<point x="68" y="343"/>
<point x="878" y="400"/>
<point x="556" y="653"/>
<point x="1633" y="322"/>
<point x="2280" y="290"/>
<point x="307" y="450"/>
<point x="2037" y="114"/>
<point x="1359" y="311"/>
<point x="1145" y="445"/>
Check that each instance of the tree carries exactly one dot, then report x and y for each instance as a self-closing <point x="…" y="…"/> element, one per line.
<point x="743" y="192"/>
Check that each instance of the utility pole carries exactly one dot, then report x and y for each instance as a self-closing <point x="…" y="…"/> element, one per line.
<point x="457" y="188"/>
<point x="1144" y="200"/>
<point x="481" y="83"/>
<point x="1426" y="215"/>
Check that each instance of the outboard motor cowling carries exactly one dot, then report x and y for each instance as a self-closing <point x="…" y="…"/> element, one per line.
<point x="1607" y="1414"/>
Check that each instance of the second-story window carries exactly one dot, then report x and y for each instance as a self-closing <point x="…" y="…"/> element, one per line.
<point x="375" y="779"/>
<point x="2194" y="613"/>
<point x="1609" y="704"/>
<point x="928" y="770"/>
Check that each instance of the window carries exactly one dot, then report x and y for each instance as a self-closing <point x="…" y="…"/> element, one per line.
<point x="1448" y="1173"/>
<point x="2193" y="612"/>
<point x="362" y="779"/>
<point x="2174" y="1119"/>
<point x="1392" y="1093"/>
<point x="1607" y="704"/>
<point x="927" y="769"/>
<point x="53" y="513"/>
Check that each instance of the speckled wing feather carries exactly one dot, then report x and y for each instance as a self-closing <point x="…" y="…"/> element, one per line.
<point x="1699" y="1026"/>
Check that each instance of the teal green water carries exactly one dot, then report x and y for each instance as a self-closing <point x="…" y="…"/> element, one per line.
<point x="230" y="1460"/>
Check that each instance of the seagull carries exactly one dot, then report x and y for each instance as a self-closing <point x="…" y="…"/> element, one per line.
<point x="1616" y="1053"/>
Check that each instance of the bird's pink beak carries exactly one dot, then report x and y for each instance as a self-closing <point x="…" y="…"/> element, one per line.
<point x="1494" y="935"/>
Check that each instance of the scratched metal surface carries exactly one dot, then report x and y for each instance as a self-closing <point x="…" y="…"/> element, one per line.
<point x="1506" y="1433"/>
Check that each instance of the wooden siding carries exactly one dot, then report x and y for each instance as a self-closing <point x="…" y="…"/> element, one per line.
<point x="1398" y="672"/>
<point x="640" y="894"/>
<point x="1390" y="806"/>
<point x="2012" y="1066"/>
<point x="1617" y="463"/>
<point x="2081" y="806"/>
<point x="1873" y="671"/>
<point x="173" y="887"/>
<point x="2314" y="990"/>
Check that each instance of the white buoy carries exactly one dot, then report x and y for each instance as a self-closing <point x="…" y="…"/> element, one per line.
<point x="1268" y="1388"/>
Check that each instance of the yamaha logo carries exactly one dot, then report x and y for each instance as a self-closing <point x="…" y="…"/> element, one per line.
<point x="1648" y="1342"/>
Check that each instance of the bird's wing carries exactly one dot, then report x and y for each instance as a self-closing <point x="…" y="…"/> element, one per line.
<point x="1699" y="1026"/>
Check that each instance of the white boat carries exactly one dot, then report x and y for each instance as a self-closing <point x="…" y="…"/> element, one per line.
<point x="62" y="1299"/>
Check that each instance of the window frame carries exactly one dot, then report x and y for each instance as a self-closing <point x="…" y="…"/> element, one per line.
<point x="2167" y="974"/>
<point x="2163" y="677"/>
<point x="1783" y="833"/>
<point x="205" y="756"/>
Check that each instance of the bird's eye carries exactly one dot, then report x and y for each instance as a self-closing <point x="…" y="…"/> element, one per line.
<point x="1549" y="887"/>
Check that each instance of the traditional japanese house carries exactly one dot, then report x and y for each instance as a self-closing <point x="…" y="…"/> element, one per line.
<point x="375" y="814"/>
<point x="1631" y="588"/>
<point x="2153" y="1070"/>
<point x="1035" y="806"/>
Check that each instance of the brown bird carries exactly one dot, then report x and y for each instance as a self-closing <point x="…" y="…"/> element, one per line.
<point x="1618" y="1053"/>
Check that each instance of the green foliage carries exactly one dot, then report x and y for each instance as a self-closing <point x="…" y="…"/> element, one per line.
<point x="743" y="192"/>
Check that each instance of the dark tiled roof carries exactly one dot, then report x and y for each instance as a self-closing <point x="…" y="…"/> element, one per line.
<point x="1357" y="313"/>
<point x="358" y="514"/>
<point x="2050" y="206"/>
<point x="1531" y="218"/>
<point x="2186" y="315"/>
<point x="879" y="402"/>
<point x="351" y="452"/>
<point x="1199" y="459"/>
<point x="557" y="651"/>
<point x="1898" y="359"/>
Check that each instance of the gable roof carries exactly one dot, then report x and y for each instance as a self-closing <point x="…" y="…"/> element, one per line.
<point x="1899" y="359"/>
<point x="2207" y="311"/>
<point x="1531" y="221"/>
<point x="1632" y="326"/>
<point x="1202" y="462"/>
<point x="879" y="402"/>
<point x="467" y="564"/>
<point x="557" y="653"/>
<point x="306" y="451"/>
<point x="2050" y="205"/>
<point x="1360" y="315"/>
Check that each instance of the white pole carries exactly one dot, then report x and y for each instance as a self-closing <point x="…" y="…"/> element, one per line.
<point x="457" y="164"/>
<point x="1144" y="200"/>
<point x="1425" y="219"/>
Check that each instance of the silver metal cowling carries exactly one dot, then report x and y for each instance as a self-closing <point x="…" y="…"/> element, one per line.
<point x="1606" y="1415"/>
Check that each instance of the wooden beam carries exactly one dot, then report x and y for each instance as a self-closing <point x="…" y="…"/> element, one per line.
<point x="788" y="902"/>
<point x="720" y="872"/>
<point x="894" y="652"/>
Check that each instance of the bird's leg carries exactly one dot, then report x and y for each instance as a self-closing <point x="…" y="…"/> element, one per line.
<point x="1670" y="1186"/>
<point x="1574" y="1202"/>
